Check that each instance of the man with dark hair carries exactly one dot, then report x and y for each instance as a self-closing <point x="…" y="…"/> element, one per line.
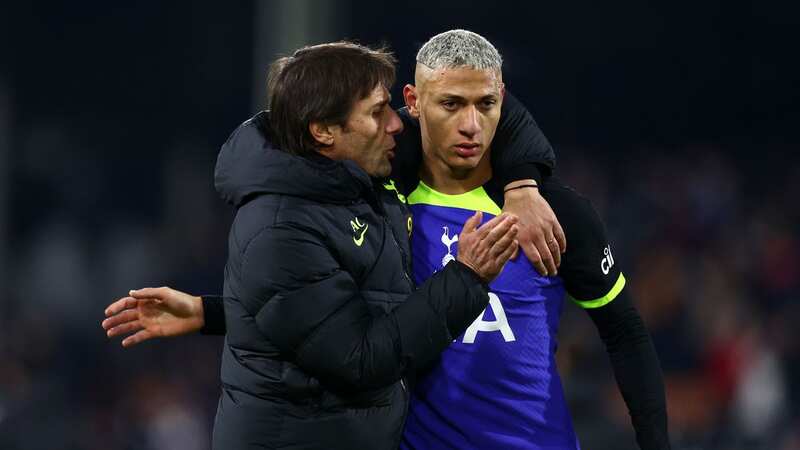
<point x="299" y="91"/>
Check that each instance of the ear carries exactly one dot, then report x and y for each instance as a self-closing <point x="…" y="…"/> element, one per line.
<point x="411" y="99"/>
<point x="322" y="133"/>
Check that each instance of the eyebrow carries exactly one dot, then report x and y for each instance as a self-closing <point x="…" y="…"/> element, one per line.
<point x="382" y="103"/>
<point x="379" y="104"/>
<point x="462" y="98"/>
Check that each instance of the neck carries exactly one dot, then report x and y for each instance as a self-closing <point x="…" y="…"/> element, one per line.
<point x="449" y="180"/>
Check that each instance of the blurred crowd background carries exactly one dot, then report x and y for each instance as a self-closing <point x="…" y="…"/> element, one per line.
<point x="678" y="119"/>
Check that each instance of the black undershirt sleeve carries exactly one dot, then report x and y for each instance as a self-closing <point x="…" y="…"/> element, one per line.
<point x="636" y="369"/>
<point x="213" y="315"/>
<point x="594" y="281"/>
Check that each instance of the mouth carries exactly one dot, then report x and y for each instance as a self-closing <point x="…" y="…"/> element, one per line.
<point x="467" y="149"/>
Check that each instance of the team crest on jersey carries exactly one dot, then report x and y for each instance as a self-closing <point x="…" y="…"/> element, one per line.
<point x="448" y="242"/>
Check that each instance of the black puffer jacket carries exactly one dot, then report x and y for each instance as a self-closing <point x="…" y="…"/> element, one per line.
<point x="322" y="319"/>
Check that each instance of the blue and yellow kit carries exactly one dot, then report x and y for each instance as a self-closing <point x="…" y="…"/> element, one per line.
<point x="497" y="385"/>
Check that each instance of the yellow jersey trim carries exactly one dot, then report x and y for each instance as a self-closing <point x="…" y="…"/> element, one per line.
<point x="474" y="200"/>
<point x="604" y="300"/>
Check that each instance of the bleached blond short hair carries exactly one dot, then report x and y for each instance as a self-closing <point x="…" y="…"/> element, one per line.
<point x="459" y="48"/>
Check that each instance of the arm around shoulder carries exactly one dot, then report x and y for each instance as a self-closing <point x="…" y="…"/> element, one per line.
<point x="520" y="149"/>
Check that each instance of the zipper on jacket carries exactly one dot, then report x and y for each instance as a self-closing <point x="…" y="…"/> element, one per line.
<point x="406" y="407"/>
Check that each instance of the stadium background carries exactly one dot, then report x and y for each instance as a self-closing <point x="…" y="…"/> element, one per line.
<point x="679" y="120"/>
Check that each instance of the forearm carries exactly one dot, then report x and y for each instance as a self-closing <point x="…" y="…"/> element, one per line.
<point x="520" y="151"/>
<point x="450" y="302"/>
<point x="353" y="350"/>
<point x="636" y="369"/>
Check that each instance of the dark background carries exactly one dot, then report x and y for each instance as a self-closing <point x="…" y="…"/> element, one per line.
<point x="679" y="121"/>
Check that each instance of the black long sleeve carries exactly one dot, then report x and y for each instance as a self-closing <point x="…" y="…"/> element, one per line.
<point x="636" y="369"/>
<point x="519" y="149"/>
<point x="213" y="315"/>
<point x="594" y="281"/>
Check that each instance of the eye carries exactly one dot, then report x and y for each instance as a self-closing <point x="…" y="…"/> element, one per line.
<point x="449" y="105"/>
<point x="488" y="104"/>
<point x="378" y="111"/>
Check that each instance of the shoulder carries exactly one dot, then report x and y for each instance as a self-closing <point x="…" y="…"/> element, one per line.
<point x="591" y="274"/>
<point x="574" y="211"/>
<point x="282" y="211"/>
<point x="274" y="256"/>
<point x="273" y="226"/>
<point x="281" y="256"/>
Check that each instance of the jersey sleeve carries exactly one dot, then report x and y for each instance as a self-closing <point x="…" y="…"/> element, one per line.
<point x="591" y="275"/>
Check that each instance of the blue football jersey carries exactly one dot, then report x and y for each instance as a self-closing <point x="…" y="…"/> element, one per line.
<point x="497" y="385"/>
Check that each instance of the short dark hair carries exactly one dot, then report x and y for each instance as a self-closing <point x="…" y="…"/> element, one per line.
<point x="321" y="83"/>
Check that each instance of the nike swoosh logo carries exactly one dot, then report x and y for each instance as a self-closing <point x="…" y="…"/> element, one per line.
<point x="360" y="239"/>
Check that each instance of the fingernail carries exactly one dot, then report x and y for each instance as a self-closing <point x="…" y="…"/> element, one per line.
<point x="131" y="291"/>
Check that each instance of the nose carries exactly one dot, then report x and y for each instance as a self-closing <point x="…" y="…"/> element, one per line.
<point x="394" y="125"/>
<point x="469" y="125"/>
